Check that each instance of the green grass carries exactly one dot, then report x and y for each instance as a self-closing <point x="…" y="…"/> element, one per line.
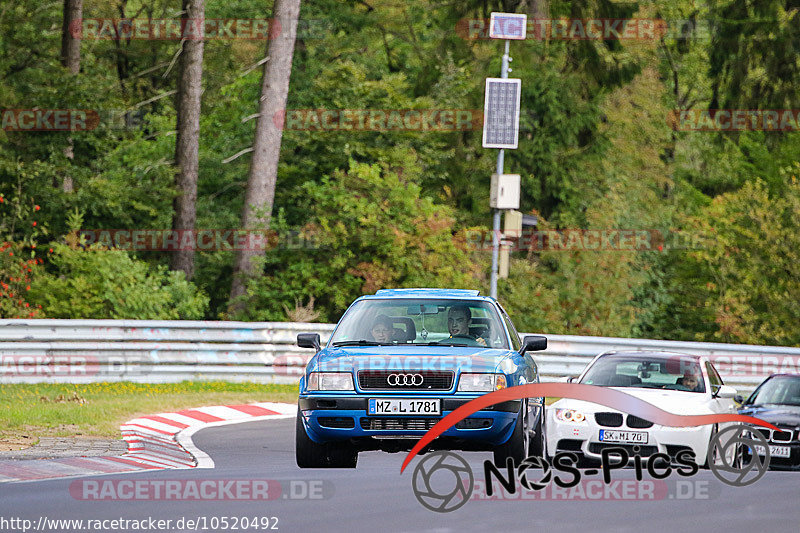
<point x="98" y="409"/>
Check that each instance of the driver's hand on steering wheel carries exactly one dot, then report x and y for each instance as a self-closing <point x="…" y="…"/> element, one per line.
<point x="481" y="341"/>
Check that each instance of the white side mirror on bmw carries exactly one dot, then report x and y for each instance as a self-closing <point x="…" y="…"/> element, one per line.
<point x="726" y="391"/>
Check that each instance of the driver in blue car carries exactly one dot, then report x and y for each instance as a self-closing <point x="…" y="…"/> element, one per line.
<point x="459" y="319"/>
<point x="382" y="329"/>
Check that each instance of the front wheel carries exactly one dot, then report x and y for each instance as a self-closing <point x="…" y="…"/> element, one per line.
<point x="309" y="454"/>
<point x="518" y="445"/>
<point x="734" y="456"/>
<point x="538" y="446"/>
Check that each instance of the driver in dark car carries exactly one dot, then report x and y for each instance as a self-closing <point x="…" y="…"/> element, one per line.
<point x="459" y="318"/>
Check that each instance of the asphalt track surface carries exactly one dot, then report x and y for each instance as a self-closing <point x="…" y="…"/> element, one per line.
<point x="375" y="497"/>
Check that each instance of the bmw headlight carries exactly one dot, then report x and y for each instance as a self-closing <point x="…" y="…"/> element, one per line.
<point x="330" y="381"/>
<point x="570" y="415"/>
<point x="473" y="382"/>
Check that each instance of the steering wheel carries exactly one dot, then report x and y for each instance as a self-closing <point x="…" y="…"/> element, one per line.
<point x="470" y="338"/>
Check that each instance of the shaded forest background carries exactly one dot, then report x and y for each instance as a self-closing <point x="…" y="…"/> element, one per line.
<point x="395" y="208"/>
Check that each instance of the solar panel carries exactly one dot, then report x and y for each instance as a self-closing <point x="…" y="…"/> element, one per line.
<point x="507" y="26"/>
<point x="501" y="113"/>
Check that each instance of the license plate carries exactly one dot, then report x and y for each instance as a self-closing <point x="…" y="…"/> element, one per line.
<point x="775" y="451"/>
<point x="623" y="437"/>
<point x="404" y="406"/>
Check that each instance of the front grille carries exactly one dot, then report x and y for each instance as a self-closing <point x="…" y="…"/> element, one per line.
<point x="398" y="424"/>
<point x="611" y="420"/>
<point x="338" y="422"/>
<point x="644" y="451"/>
<point x="776" y="436"/>
<point x="636" y="422"/>
<point x="431" y="380"/>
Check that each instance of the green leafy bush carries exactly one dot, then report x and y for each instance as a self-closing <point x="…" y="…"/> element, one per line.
<point x="95" y="282"/>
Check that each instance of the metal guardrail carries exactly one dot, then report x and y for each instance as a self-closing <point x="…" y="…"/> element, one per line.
<point x="155" y="351"/>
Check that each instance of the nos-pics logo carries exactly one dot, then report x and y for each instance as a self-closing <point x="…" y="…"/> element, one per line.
<point x="443" y="481"/>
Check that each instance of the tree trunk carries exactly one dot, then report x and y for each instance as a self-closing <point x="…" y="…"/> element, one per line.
<point x="70" y="42"/>
<point x="71" y="58"/>
<point x="187" y="144"/>
<point x="260" y="193"/>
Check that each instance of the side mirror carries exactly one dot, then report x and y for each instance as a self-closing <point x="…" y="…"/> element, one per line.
<point x="533" y="343"/>
<point x="738" y="399"/>
<point x="726" y="392"/>
<point x="566" y="379"/>
<point x="308" y="340"/>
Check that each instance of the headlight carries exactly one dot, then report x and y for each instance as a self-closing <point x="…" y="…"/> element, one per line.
<point x="570" y="415"/>
<point x="469" y="382"/>
<point x="330" y="381"/>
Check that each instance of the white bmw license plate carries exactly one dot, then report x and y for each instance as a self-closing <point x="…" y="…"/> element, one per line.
<point x="404" y="406"/>
<point x="623" y="437"/>
<point x="775" y="451"/>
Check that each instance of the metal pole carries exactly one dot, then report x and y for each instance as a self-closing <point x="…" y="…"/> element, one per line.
<point x="496" y="217"/>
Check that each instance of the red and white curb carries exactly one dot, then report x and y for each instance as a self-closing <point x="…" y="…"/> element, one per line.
<point x="155" y="442"/>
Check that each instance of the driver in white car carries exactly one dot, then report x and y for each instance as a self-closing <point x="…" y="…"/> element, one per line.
<point x="690" y="380"/>
<point x="459" y="319"/>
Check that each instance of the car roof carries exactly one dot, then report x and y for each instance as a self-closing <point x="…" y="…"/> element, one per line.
<point x="457" y="294"/>
<point x="649" y="353"/>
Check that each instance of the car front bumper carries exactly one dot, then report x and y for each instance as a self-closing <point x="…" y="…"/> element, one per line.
<point x="336" y="418"/>
<point x="584" y="438"/>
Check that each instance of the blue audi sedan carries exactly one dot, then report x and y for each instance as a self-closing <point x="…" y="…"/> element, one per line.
<point x="400" y="360"/>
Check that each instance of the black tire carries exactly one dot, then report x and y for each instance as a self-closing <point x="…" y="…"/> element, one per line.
<point x="738" y="455"/>
<point x="538" y="445"/>
<point x="714" y="430"/>
<point x="309" y="454"/>
<point x="517" y="446"/>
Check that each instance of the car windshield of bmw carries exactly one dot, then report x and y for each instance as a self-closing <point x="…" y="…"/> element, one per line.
<point x="780" y="390"/>
<point x="379" y="322"/>
<point x="672" y="372"/>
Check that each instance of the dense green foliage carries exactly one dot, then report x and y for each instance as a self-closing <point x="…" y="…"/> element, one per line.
<point x="359" y="210"/>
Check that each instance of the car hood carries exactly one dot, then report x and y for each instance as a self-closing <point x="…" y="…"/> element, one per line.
<point x="406" y="358"/>
<point x="786" y="415"/>
<point x="672" y="401"/>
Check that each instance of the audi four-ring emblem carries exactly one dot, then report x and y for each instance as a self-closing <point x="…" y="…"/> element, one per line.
<point x="404" y="380"/>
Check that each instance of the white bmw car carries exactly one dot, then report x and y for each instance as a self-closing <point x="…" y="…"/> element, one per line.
<point x="678" y="383"/>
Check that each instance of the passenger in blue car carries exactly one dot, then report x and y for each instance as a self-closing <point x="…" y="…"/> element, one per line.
<point x="459" y="319"/>
<point x="382" y="329"/>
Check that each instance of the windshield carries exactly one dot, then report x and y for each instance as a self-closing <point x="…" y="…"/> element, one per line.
<point x="782" y="390"/>
<point x="420" y="321"/>
<point x="675" y="373"/>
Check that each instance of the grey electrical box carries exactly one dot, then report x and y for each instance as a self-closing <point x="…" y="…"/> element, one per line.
<point x="505" y="259"/>
<point x="512" y="223"/>
<point x="504" y="192"/>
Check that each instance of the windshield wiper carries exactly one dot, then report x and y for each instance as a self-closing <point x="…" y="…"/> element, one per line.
<point x="362" y="342"/>
<point x="444" y="343"/>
